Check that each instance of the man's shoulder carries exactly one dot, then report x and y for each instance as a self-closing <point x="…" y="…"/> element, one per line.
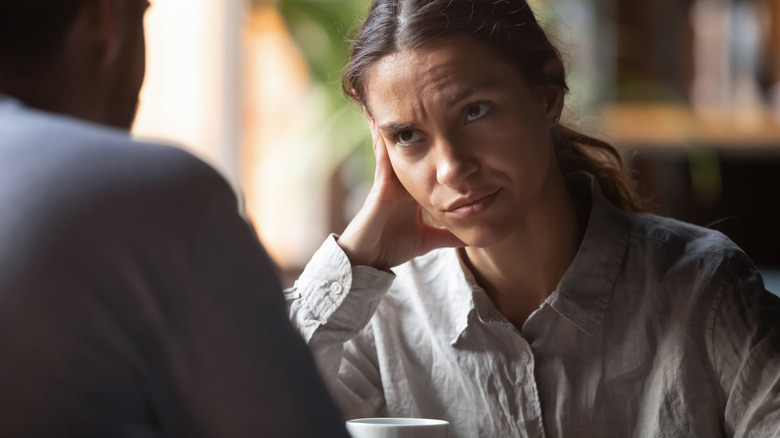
<point x="82" y="173"/>
<point x="39" y="148"/>
<point x="37" y="135"/>
<point x="21" y="125"/>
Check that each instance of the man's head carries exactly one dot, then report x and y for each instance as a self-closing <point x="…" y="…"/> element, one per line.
<point x="83" y="58"/>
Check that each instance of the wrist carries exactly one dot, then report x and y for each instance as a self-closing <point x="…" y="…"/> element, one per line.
<point x="356" y="255"/>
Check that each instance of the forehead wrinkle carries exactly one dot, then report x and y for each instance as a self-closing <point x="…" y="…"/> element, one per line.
<point x="416" y="83"/>
<point x="406" y="82"/>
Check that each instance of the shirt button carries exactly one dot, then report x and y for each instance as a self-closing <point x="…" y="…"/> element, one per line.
<point x="336" y="288"/>
<point x="525" y="357"/>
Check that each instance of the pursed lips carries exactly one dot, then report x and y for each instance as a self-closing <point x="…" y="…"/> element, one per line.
<point x="471" y="200"/>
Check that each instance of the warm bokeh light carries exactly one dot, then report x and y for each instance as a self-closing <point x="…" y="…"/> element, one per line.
<point x="282" y="199"/>
<point x="191" y="92"/>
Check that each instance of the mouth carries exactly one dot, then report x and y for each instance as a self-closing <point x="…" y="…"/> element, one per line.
<point x="472" y="204"/>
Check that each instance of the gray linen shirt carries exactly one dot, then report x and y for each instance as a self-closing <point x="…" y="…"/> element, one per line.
<point x="658" y="329"/>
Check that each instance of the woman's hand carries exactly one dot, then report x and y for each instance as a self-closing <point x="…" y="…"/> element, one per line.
<point x="389" y="229"/>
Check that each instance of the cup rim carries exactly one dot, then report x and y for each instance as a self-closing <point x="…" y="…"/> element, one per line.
<point x="397" y="421"/>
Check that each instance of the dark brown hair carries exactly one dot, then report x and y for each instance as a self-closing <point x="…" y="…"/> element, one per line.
<point x="510" y="30"/>
<point x="32" y="31"/>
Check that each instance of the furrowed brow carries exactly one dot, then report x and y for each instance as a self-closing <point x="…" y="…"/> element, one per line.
<point x="468" y="92"/>
<point x="396" y="127"/>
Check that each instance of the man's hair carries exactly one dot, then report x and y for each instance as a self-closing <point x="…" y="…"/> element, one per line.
<point x="32" y="31"/>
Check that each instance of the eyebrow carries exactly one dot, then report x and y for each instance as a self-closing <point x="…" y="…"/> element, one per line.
<point x="396" y="127"/>
<point x="452" y="101"/>
<point x="466" y="93"/>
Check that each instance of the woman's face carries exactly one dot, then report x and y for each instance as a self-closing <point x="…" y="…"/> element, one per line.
<point x="466" y="136"/>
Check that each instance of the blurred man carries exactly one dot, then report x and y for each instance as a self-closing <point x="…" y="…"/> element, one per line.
<point x="134" y="299"/>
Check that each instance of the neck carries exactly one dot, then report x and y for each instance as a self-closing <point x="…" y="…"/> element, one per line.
<point x="56" y="89"/>
<point x="523" y="270"/>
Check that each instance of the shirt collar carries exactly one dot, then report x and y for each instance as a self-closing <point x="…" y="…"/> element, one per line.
<point x="461" y="288"/>
<point x="466" y="299"/>
<point x="585" y="289"/>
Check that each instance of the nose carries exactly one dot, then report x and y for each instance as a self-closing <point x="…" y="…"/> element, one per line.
<point x="455" y="162"/>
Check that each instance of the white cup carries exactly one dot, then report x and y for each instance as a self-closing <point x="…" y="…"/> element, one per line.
<point x="398" y="428"/>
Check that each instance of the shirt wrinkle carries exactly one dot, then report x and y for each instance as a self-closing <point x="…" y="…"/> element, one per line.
<point x="464" y="286"/>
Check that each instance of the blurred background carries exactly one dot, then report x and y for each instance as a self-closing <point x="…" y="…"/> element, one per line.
<point x="688" y="90"/>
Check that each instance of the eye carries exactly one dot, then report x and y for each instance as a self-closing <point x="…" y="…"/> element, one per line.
<point x="407" y="136"/>
<point x="476" y="110"/>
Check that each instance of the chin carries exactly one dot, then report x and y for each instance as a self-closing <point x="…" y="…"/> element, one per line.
<point x="480" y="237"/>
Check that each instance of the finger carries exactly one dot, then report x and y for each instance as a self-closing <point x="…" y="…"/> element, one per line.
<point x="387" y="186"/>
<point x="436" y="237"/>
<point x="372" y="129"/>
<point x="384" y="168"/>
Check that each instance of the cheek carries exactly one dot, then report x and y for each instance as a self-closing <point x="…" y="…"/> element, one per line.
<point x="519" y="147"/>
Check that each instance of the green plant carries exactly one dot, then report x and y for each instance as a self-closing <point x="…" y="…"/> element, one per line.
<point x="322" y="29"/>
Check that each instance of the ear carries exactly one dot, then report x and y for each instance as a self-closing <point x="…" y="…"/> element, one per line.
<point x="97" y="27"/>
<point x="554" y="90"/>
<point x="109" y="27"/>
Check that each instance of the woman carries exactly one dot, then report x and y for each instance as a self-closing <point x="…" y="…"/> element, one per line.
<point x="527" y="296"/>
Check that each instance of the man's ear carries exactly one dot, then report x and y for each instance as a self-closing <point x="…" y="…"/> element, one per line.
<point x="98" y="28"/>
<point x="553" y="89"/>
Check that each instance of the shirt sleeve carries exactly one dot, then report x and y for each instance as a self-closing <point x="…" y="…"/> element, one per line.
<point x="745" y="346"/>
<point x="331" y="304"/>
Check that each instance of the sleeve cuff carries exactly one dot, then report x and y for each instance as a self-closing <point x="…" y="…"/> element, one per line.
<point x="336" y="292"/>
